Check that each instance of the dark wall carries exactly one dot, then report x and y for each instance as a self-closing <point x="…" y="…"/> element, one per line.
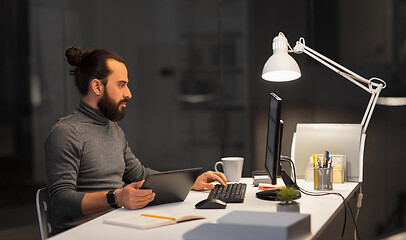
<point x="15" y="130"/>
<point x="175" y="52"/>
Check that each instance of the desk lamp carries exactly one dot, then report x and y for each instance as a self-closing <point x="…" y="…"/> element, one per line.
<point x="281" y="67"/>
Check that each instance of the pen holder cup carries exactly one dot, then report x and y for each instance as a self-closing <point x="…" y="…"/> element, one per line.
<point x="323" y="179"/>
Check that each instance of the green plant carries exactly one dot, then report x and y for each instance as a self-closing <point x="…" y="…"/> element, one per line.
<point x="287" y="195"/>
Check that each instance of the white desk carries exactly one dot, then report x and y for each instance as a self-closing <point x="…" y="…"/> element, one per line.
<point x="322" y="209"/>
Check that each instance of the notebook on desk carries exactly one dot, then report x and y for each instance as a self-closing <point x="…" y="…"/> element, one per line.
<point x="171" y="186"/>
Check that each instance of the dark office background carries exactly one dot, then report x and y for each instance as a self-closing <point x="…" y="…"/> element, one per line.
<point x="194" y="69"/>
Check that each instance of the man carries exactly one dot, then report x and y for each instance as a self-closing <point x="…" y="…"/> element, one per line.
<point x="89" y="165"/>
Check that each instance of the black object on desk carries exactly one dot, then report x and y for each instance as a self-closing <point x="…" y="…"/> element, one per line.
<point x="211" y="203"/>
<point x="232" y="193"/>
<point x="272" y="195"/>
<point x="171" y="186"/>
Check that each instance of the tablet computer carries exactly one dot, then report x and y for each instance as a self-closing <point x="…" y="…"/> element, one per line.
<point x="171" y="186"/>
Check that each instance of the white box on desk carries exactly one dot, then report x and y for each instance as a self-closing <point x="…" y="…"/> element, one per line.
<point x="253" y="225"/>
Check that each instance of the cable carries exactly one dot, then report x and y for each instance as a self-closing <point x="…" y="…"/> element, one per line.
<point x="292" y="165"/>
<point x="319" y="194"/>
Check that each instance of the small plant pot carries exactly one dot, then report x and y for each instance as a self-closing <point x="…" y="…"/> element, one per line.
<point x="293" y="207"/>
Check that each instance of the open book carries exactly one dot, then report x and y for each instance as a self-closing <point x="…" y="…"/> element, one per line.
<point x="151" y="219"/>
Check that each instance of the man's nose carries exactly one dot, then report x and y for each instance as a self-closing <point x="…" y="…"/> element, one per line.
<point x="128" y="94"/>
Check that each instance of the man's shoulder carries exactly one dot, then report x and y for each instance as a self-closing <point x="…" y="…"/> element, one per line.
<point x="67" y="123"/>
<point x="64" y="130"/>
<point x="71" y="119"/>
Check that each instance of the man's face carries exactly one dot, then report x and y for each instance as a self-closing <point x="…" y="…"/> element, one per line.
<point x="116" y="92"/>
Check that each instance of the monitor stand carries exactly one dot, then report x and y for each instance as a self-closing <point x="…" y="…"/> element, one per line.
<point x="272" y="194"/>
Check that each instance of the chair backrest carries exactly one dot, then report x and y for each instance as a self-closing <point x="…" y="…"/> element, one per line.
<point x="42" y="203"/>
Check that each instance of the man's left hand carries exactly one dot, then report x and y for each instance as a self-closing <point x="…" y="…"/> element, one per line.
<point x="204" y="180"/>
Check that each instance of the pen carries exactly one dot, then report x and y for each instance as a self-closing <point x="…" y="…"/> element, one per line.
<point x="318" y="162"/>
<point x="327" y="158"/>
<point x="324" y="158"/>
<point x="156" y="216"/>
<point x="314" y="160"/>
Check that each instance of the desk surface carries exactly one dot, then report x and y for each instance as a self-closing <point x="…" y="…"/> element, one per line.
<point x="322" y="210"/>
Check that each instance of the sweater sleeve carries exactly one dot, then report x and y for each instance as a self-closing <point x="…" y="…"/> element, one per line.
<point x="62" y="161"/>
<point x="134" y="170"/>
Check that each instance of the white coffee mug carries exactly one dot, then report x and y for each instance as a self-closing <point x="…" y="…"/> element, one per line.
<point x="232" y="167"/>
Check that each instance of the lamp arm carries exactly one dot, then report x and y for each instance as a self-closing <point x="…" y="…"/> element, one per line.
<point x="344" y="72"/>
<point x="373" y="88"/>
<point x="370" y="108"/>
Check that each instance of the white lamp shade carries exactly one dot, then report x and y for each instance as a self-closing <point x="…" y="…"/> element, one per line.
<point x="280" y="67"/>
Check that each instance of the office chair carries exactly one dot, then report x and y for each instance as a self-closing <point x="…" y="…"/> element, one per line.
<point x="42" y="203"/>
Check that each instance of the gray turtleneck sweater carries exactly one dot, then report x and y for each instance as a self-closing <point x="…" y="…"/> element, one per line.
<point x="85" y="152"/>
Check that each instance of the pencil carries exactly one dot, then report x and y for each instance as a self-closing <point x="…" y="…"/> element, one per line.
<point x="156" y="216"/>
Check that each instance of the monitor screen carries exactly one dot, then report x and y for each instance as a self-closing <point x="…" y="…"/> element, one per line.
<point x="273" y="143"/>
<point x="273" y="151"/>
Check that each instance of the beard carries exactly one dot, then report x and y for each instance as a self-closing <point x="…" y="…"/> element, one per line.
<point x="110" y="109"/>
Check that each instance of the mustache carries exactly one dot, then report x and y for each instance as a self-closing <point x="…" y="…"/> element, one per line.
<point x="125" y="100"/>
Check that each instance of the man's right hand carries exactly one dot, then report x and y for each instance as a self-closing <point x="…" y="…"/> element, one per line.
<point x="132" y="197"/>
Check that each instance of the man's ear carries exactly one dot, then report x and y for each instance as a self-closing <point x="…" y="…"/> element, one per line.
<point x="96" y="86"/>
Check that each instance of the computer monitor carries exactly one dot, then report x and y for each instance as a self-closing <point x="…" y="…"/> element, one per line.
<point x="273" y="149"/>
<point x="274" y="136"/>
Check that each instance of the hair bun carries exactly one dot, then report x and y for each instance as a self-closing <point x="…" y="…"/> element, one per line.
<point x="73" y="56"/>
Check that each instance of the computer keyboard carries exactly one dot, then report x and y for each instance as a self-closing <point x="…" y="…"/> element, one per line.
<point x="232" y="193"/>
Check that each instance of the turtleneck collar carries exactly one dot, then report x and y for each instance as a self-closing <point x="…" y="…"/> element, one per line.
<point x="93" y="113"/>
